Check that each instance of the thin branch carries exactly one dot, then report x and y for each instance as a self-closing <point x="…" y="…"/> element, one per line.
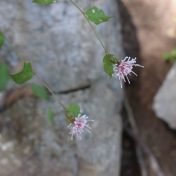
<point x="92" y="27"/>
<point x="48" y="87"/>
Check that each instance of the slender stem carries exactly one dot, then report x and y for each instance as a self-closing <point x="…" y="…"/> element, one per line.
<point x="45" y="84"/>
<point x="92" y="27"/>
<point x="37" y="75"/>
<point x="49" y="88"/>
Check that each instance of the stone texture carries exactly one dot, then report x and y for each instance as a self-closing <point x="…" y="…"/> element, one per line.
<point x="165" y="100"/>
<point x="64" y="51"/>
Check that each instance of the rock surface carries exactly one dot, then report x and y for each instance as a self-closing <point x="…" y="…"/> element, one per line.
<point x="165" y="100"/>
<point x="64" y="51"/>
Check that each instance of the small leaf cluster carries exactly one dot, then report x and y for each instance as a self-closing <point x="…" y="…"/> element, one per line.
<point x="24" y="75"/>
<point x="20" y="78"/>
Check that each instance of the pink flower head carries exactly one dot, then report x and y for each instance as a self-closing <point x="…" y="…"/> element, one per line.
<point x="124" y="68"/>
<point x="79" y="126"/>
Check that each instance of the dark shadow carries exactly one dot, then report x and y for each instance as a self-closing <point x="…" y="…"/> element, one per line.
<point x="129" y="38"/>
<point x="130" y="165"/>
<point x="155" y="134"/>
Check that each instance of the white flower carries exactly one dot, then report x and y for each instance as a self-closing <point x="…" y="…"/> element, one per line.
<point x="123" y="69"/>
<point x="79" y="126"/>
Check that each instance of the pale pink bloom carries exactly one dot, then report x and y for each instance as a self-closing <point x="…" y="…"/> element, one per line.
<point x="79" y="126"/>
<point x="124" y="68"/>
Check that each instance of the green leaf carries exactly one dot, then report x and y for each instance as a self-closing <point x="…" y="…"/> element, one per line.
<point x="4" y="76"/>
<point x="44" y="2"/>
<point x="108" y="62"/>
<point x="2" y="39"/>
<point x="24" y="75"/>
<point x="51" y="115"/>
<point x="108" y="68"/>
<point x="96" y="15"/>
<point x="40" y="91"/>
<point x="170" y="56"/>
<point x="73" y="110"/>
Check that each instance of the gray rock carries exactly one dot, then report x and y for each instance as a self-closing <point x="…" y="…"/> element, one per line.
<point x="165" y="100"/>
<point x="63" y="50"/>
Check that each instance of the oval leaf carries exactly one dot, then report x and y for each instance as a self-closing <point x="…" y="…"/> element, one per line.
<point x="4" y="76"/>
<point x="108" y="68"/>
<point x="40" y="91"/>
<point x="2" y="39"/>
<point x="96" y="15"/>
<point x="73" y="110"/>
<point x="108" y="62"/>
<point x="24" y="75"/>
<point x="44" y="2"/>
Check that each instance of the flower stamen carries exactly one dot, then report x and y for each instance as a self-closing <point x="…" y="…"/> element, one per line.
<point x="79" y="126"/>
<point x="123" y="69"/>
